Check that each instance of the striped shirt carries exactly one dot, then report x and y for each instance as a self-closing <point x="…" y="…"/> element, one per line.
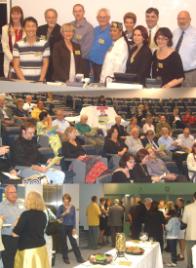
<point x="31" y="57"/>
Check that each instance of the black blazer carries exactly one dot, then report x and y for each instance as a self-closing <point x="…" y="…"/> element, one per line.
<point x="141" y="64"/>
<point x="62" y="58"/>
<point x="55" y="36"/>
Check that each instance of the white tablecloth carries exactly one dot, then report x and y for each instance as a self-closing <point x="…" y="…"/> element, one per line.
<point x="152" y="258"/>
<point x="194" y="256"/>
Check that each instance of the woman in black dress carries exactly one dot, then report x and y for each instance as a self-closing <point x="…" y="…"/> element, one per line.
<point x="121" y="174"/>
<point x="140" y="56"/>
<point x="167" y="63"/>
<point x="154" y="223"/>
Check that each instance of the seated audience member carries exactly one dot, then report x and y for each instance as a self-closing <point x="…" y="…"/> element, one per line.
<point x="101" y="43"/>
<point x="28" y="105"/>
<point x="60" y="122"/>
<point x="184" y="43"/>
<point x="154" y="222"/>
<point x="90" y="135"/>
<point x="27" y="158"/>
<point x="162" y="123"/>
<point x="140" y="56"/>
<point x="83" y="35"/>
<point x="133" y="124"/>
<point x="19" y="113"/>
<point x="129" y="20"/>
<point x="50" y="32"/>
<point x="157" y="167"/>
<point x="185" y="140"/>
<point x="121" y="174"/>
<point x="150" y="140"/>
<point x="37" y="110"/>
<point x="116" y="57"/>
<point x="67" y="59"/>
<point x="133" y="141"/>
<point x="191" y="164"/>
<point x="148" y="124"/>
<point x="112" y="143"/>
<point x="167" y="63"/>
<point x="121" y="129"/>
<point x="152" y="17"/>
<point x="175" y="119"/>
<point x="139" y="173"/>
<point x="11" y="33"/>
<point x="6" y="115"/>
<point x="188" y="119"/>
<point x="44" y="124"/>
<point x="30" y="55"/>
<point x="166" y="142"/>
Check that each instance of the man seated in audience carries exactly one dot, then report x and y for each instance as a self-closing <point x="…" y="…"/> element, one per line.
<point x="30" y="55"/>
<point x="116" y="57"/>
<point x="101" y="43"/>
<point x="50" y="32"/>
<point x="185" y="140"/>
<point x="133" y="141"/>
<point x="162" y="123"/>
<point x="185" y="44"/>
<point x="19" y="113"/>
<point x="60" y="123"/>
<point x="152" y="17"/>
<point x="27" y="158"/>
<point x="188" y="119"/>
<point x="37" y="110"/>
<point x="91" y="135"/>
<point x="166" y="142"/>
<point x="148" y="124"/>
<point x="83" y="35"/>
<point x="5" y="113"/>
<point x="28" y="105"/>
<point x="150" y="140"/>
<point x="121" y="129"/>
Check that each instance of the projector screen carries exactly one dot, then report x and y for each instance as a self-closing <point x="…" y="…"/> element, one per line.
<point x="168" y="9"/>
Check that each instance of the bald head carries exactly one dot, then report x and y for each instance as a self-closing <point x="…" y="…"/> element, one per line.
<point x="184" y="19"/>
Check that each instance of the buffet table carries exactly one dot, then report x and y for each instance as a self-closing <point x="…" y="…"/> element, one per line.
<point x="152" y="258"/>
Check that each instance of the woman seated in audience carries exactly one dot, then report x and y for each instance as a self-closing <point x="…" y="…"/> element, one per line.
<point x="133" y="124"/>
<point x="112" y="143"/>
<point x="175" y="119"/>
<point x="140" y="56"/>
<point x="29" y="229"/>
<point x="130" y="20"/>
<point x="44" y="124"/>
<point x="11" y="33"/>
<point x="166" y="142"/>
<point x="167" y="63"/>
<point x="121" y="174"/>
<point x="191" y="164"/>
<point x="140" y="173"/>
<point x="148" y="124"/>
<point x="67" y="60"/>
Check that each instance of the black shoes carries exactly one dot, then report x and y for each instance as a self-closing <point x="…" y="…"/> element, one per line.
<point x="80" y="260"/>
<point x="66" y="261"/>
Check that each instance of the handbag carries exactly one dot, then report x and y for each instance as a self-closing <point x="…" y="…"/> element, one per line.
<point x="53" y="227"/>
<point x="183" y="225"/>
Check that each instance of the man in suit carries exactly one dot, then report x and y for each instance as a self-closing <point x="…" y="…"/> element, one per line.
<point x="152" y="17"/>
<point x="189" y="218"/>
<point x="51" y="32"/>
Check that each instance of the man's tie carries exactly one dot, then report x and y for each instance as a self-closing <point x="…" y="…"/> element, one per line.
<point x="149" y="38"/>
<point x="179" y="43"/>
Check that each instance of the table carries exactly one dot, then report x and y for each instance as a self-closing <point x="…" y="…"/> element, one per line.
<point x="152" y="258"/>
<point x="194" y="256"/>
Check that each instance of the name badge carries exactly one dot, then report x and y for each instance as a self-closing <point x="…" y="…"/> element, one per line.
<point x="160" y="65"/>
<point x="77" y="52"/>
<point x="78" y="37"/>
<point x="37" y="54"/>
<point x="101" y="41"/>
<point x="43" y="37"/>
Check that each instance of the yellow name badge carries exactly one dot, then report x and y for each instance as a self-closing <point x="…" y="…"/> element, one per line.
<point x="160" y="65"/>
<point x="43" y="37"/>
<point x="78" y="37"/>
<point x="101" y="41"/>
<point x="77" y="52"/>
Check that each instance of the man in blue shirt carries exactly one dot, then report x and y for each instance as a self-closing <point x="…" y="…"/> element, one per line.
<point x="101" y="43"/>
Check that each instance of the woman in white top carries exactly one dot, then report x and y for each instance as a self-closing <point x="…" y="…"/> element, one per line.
<point x="191" y="164"/>
<point x="148" y="124"/>
<point x="11" y="33"/>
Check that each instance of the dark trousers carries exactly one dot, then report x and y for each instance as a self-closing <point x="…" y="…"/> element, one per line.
<point x="96" y="71"/>
<point x="66" y="231"/>
<point x="11" y="244"/>
<point x="93" y="234"/>
<point x="172" y="244"/>
<point x="114" y="231"/>
<point x="86" y="67"/>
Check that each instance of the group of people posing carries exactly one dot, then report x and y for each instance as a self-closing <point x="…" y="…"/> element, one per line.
<point x="57" y="53"/>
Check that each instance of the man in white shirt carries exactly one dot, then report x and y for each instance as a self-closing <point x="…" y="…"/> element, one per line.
<point x="60" y="123"/>
<point x="133" y="141"/>
<point x="117" y="56"/>
<point x="189" y="217"/>
<point x="185" y="140"/>
<point x="28" y="105"/>
<point x="152" y="17"/>
<point x="184" y="41"/>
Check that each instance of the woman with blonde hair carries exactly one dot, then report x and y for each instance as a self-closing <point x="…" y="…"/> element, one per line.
<point x="30" y="229"/>
<point x="67" y="60"/>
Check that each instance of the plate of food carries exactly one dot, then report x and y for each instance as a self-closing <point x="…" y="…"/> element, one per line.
<point x="99" y="258"/>
<point x="134" y="250"/>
